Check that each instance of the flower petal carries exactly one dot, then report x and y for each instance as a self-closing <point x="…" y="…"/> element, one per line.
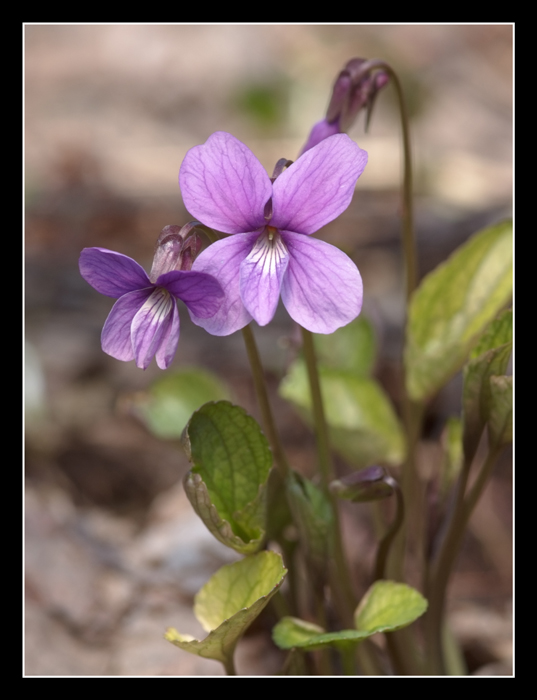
<point x="168" y="344"/>
<point x="151" y="325"/>
<point x="222" y="260"/>
<point x="320" y="131"/>
<point x="110" y="273"/>
<point x="116" y="335"/>
<point x="261" y="277"/>
<point x="201" y="292"/>
<point x="322" y="288"/>
<point x="318" y="186"/>
<point x="224" y="185"/>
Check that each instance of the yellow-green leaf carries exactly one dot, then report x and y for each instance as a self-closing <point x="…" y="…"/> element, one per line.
<point x="363" y="426"/>
<point x="453" y="305"/>
<point x="389" y="606"/>
<point x="229" y="602"/>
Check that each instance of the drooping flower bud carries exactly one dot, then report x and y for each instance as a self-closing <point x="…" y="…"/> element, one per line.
<point x="370" y="484"/>
<point x="355" y="89"/>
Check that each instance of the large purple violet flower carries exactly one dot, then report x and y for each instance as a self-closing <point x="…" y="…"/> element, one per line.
<point x="271" y="252"/>
<point x="144" y="321"/>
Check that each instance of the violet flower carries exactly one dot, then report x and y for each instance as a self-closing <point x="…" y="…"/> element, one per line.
<point x="270" y="251"/>
<point x="144" y="321"/>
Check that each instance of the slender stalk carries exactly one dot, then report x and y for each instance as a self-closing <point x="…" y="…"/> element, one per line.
<point x="407" y="214"/>
<point x="263" y="401"/>
<point x="340" y="583"/>
<point x="229" y="666"/>
<point x="412" y="412"/>
<point x="446" y="556"/>
<point x="386" y="542"/>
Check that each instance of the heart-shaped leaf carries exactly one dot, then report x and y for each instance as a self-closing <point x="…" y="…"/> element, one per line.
<point x="227" y="484"/>
<point x="229" y="602"/>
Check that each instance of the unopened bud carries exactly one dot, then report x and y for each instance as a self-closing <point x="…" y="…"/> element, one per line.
<point x="175" y="250"/>
<point x="370" y="484"/>
<point x="190" y="250"/>
<point x="355" y="89"/>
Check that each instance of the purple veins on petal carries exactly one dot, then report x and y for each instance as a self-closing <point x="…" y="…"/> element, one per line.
<point x="144" y="321"/>
<point x="169" y="341"/>
<point x="150" y="324"/>
<point x="222" y="260"/>
<point x="116" y="335"/>
<point x="224" y="185"/>
<point x="110" y="273"/>
<point x="319" y="186"/>
<point x="322" y="288"/>
<point x="200" y="292"/>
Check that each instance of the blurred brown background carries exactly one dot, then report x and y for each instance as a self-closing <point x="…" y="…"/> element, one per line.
<point x="114" y="552"/>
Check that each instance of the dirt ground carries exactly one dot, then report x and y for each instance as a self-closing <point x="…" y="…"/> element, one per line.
<point x="113" y="550"/>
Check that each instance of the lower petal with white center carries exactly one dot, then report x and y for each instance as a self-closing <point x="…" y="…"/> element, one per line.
<point x="223" y="260"/>
<point x="322" y="288"/>
<point x="151" y="326"/>
<point x="261" y="276"/>
<point x="116" y="336"/>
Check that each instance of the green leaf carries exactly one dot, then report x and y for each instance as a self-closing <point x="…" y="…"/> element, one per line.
<point x="229" y="602"/>
<point x="293" y="633"/>
<point x="312" y="514"/>
<point x="498" y="333"/>
<point x="389" y="606"/>
<point x="489" y="358"/>
<point x="167" y="406"/>
<point x="352" y="347"/>
<point x="227" y="484"/>
<point x="453" y="305"/>
<point x="363" y="426"/>
<point x="501" y="410"/>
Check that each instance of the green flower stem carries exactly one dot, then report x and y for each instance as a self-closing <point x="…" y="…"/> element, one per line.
<point x="229" y="667"/>
<point x="340" y="579"/>
<point x="407" y="215"/>
<point x="386" y="542"/>
<point x="410" y="486"/>
<point x="447" y="554"/>
<point x="264" y="405"/>
<point x="412" y="413"/>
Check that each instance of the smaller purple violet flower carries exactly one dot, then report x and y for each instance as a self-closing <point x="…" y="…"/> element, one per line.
<point x="144" y="321"/>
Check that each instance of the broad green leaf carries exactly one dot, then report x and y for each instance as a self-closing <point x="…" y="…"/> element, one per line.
<point x="168" y="404"/>
<point x="388" y="606"/>
<point x="501" y="410"/>
<point x="489" y="358"/>
<point x="227" y="484"/>
<point x="312" y="515"/>
<point x="229" y="602"/>
<point x="352" y="347"/>
<point x="293" y="633"/>
<point x="363" y="426"/>
<point x="453" y="305"/>
<point x="498" y="333"/>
